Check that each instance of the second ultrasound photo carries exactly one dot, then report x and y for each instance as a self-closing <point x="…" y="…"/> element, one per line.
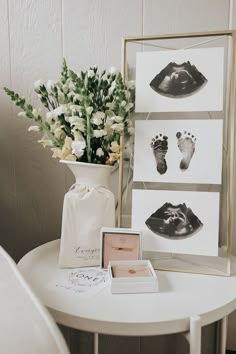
<point x="177" y="221"/>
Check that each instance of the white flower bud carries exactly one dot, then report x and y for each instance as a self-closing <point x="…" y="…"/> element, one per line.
<point x="22" y="114"/>
<point x="113" y="70"/>
<point x="37" y="84"/>
<point x="34" y="128"/>
<point x="90" y="73"/>
<point x="36" y="112"/>
<point x="99" y="152"/>
<point x="89" y="110"/>
<point x="50" y="84"/>
<point x="78" y="147"/>
<point x="99" y="133"/>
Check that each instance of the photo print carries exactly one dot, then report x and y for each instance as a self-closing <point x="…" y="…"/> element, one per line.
<point x="178" y="151"/>
<point x="174" y="221"/>
<point x="177" y="221"/>
<point x="180" y="80"/>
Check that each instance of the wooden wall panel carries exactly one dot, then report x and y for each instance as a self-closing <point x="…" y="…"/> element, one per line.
<point x="36" y="52"/>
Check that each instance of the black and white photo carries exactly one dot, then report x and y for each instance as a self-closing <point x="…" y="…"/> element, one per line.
<point x="180" y="80"/>
<point x="177" y="221"/>
<point x="178" y="151"/>
<point x="174" y="221"/>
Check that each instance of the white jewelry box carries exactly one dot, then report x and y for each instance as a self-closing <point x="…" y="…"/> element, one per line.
<point x="132" y="277"/>
<point x="118" y="244"/>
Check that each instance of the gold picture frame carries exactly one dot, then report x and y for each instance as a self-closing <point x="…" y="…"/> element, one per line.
<point x="220" y="265"/>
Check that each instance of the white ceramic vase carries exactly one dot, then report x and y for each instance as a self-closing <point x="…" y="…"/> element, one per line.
<point x="88" y="206"/>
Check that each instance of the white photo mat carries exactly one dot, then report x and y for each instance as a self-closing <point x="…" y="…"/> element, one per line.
<point x="205" y="165"/>
<point x="205" y="205"/>
<point x="208" y="61"/>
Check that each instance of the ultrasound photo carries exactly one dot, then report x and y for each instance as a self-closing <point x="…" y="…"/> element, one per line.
<point x="178" y="80"/>
<point x="184" y="222"/>
<point x="183" y="80"/>
<point x="174" y="221"/>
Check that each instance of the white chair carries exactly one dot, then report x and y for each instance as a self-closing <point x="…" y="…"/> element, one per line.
<point x="26" y="327"/>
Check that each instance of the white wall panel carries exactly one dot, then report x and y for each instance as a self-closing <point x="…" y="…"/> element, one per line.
<point x="7" y="174"/>
<point x="233" y="14"/>
<point x="168" y="16"/>
<point x="85" y="32"/>
<point x="36" y="52"/>
<point x="94" y="36"/>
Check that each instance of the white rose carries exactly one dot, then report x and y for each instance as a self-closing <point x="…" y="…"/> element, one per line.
<point x="99" y="152"/>
<point x="78" y="147"/>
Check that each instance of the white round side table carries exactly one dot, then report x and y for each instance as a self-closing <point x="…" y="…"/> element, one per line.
<point x="185" y="303"/>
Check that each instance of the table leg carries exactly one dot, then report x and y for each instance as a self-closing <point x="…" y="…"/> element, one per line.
<point x="195" y="335"/>
<point x="95" y="345"/>
<point x="221" y="336"/>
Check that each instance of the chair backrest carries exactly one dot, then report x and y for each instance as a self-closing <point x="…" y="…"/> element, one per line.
<point x="25" y="324"/>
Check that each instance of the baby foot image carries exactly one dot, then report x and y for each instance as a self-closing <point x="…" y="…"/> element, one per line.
<point x="186" y="144"/>
<point x="159" y="145"/>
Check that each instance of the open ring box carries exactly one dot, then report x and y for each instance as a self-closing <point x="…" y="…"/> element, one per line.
<point x="119" y="244"/>
<point x="132" y="277"/>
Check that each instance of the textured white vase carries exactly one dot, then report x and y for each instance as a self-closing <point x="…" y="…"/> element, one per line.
<point x="88" y="206"/>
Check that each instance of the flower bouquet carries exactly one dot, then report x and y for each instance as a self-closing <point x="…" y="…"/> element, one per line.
<point x="84" y="117"/>
<point x="86" y="114"/>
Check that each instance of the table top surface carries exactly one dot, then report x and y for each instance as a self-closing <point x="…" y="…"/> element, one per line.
<point x="181" y="296"/>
